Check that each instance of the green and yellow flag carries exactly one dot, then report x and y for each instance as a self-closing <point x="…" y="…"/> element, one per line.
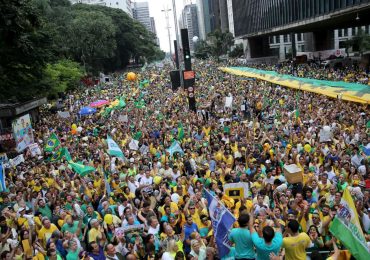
<point x="81" y="169"/>
<point x="346" y="228"/>
<point x="180" y="132"/>
<point x="52" y="143"/>
<point x="58" y="155"/>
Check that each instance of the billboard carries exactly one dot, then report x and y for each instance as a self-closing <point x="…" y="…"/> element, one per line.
<point x="23" y="133"/>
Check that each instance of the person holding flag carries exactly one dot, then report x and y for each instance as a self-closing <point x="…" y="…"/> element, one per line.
<point x="242" y="239"/>
<point x="52" y="143"/>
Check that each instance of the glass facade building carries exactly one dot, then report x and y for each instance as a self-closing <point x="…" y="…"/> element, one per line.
<point x="252" y="16"/>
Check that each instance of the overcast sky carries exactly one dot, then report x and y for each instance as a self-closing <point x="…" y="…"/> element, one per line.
<point x="155" y="7"/>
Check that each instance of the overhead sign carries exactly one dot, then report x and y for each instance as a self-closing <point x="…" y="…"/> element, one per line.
<point x="190" y="74"/>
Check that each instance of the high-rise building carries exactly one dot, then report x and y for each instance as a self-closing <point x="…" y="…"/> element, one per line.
<point x="189" y="21"/>
<point x="153" y="29"/>
<point x="124" y="5"/>
<point x="213" y="14"/>
<point x="140" y="12"/>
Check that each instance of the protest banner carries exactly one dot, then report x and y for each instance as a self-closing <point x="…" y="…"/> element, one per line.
<point x="64" y="114"/>
<point x="222" y="222"/>
<point x="237" y="190"/>
<point x="346" y="227"/>
<point x="34" y="149"/>
<point x="16" y="160"/>
<point x="23" y="132"/>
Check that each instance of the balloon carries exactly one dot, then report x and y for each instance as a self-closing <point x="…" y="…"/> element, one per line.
<point x="175" y="197"/>
<point x="79" y="129"/>
<point x="307" y="148"/>
<point x="281" y="102"/>
<point x="74" y="131"/>
<point x="157" y="180"/>
<point x="289" y="146"/>
<point x="131" y="76"/>
<point x="108" y="218"/>
<point x="74" y="126"/>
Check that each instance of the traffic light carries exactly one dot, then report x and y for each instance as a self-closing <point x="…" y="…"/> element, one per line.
<point x="186" y="48"/>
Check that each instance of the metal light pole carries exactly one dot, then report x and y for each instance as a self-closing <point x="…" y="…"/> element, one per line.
<point x="177" y="40"/>
<point x="166" y="11"/>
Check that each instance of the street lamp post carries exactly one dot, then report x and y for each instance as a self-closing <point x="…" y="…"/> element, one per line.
<point x="166" y="11"/>
<point x="177" y="40"/>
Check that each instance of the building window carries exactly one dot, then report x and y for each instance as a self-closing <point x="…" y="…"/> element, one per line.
<point x="340" y="32"/>
<point x="286" y="38"/>
<point x="277" y="38"/>
<point x="299" y="37"/>
<point x="345" y="32"/>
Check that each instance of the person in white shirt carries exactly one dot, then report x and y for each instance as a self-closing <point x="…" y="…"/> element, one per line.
<point x="153" y="226"/>
<point x="132" y="184"/>
<point x="168" y="170"/>
<point x="176" y="173"/>
<point x="146" y="179"/>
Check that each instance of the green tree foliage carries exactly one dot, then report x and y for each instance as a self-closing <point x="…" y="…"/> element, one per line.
<point x="62" y="75"/>
<point x="220" y="42"/>
<point x="38" y="36"/>
<point x="24" y="50"/>
<point x="90" y="38"/>
<point x="359" y="43"/>
<point x="238" y="51"/>
<point x="202" y="50"/>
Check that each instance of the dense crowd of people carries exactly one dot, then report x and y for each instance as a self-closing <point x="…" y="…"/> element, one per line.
<point x="150" y="204"/>
<point x="351" y="73"/>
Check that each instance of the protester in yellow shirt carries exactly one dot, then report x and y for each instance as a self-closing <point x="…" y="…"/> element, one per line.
<point x="46" y="231"/>
<point x="295" y="245"/>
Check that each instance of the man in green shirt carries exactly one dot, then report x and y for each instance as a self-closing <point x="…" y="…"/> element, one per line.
<point x="74" y="227"/>
<point x="44" y="209"/>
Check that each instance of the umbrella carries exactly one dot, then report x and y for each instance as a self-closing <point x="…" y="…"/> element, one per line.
<point x="99" y="103"/>
<point x="87" y="111"/>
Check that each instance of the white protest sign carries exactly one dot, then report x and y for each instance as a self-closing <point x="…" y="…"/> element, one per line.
<point x="144" y="149"/>
<point x="229" y="101"/>
<point x="325" y="134"/>
<point x="17" y="160"/>
<point x="65" y="114"/>
<point x="134" y="145"/>
<point x="34" y="149"/>
<point x="123" y="118"/>
<point x="237" y="190"/>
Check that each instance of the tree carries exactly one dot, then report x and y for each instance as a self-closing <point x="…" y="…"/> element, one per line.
<point x="361" y="41"/>
<point x="38" y="36"/>
<point x="202" y="50"/>
<point x="24" y="50"/>
<point x="238" y="51"/>
<point x="90" y="37"/>
<point x="347" y="45"/>
<point x="220" y="43"/>
<point x="62" y="75"/>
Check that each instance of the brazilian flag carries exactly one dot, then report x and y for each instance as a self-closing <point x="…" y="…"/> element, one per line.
<point x="81" y="169"/>
<point x="52" y="143"/>
<point x="180" y="132"/>
<point x="58" y="155"/>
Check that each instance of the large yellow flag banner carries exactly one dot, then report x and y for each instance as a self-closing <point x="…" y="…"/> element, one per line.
<point x="336" y="89"/>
